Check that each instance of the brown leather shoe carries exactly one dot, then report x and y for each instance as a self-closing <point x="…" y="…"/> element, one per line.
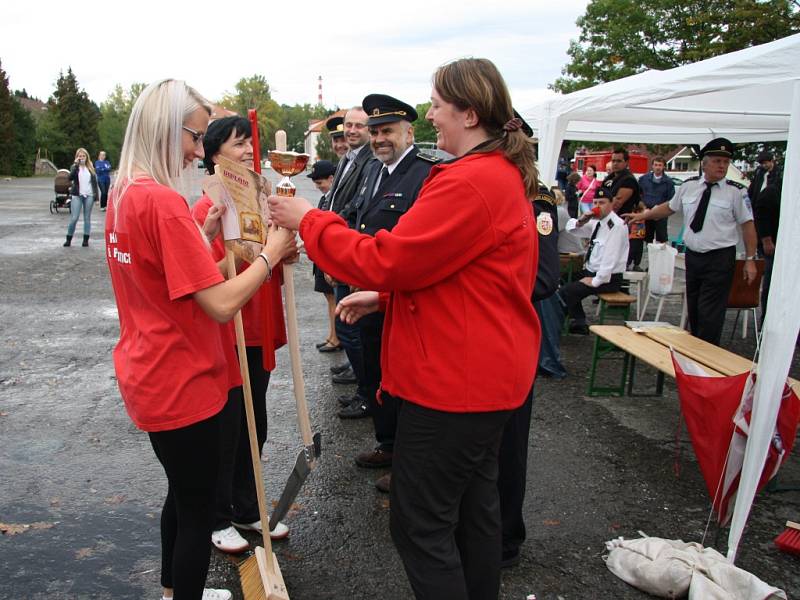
<point x="384" y="483"/>
<point x="374" y="459"/>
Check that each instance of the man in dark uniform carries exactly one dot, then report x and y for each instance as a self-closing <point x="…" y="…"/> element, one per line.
<point x="712" y="208"/>
<point x="389" y="189"/>
<point x="346" y="182"/>
<point x="765" y="198"/>
<point x="335" y="127"/>
<point x="513" y="454"/>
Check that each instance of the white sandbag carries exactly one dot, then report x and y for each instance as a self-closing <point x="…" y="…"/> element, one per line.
<point x="675" y="569"/>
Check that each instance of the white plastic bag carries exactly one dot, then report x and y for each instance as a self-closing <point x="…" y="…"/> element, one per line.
<point x="661" y="268"/>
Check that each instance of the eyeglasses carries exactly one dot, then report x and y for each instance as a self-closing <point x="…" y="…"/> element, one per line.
<point x="197" y="137"/>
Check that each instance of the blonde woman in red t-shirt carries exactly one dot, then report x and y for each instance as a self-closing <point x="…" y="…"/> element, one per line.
<point x="171" y="295"/>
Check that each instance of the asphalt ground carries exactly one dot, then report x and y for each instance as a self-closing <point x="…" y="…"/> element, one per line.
<point x="81" y="491"/>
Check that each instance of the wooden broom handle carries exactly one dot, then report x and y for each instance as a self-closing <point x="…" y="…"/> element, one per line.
<point x="255" y="455"/>
<point x="303" y="420"/>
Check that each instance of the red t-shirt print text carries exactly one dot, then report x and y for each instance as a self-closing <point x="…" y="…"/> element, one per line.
<point x="115" y="239"/>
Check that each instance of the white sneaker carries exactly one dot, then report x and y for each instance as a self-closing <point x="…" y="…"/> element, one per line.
<point x="279" y="533"/>
<point x="212" y="594"/>
<point x="228" y="540"/>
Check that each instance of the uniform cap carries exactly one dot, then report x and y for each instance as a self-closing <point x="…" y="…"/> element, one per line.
<point x="335" y="126"/>
<point x="718" y="147"/>
<point x="381" y="109"/>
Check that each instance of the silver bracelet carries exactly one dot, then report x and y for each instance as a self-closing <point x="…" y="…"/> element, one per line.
<point x="269" y="266"/>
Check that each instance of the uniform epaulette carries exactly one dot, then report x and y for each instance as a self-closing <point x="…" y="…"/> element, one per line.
<point x="428" y="157"/>
<point x="735" y="184"/>
<point x="695" y="178"/>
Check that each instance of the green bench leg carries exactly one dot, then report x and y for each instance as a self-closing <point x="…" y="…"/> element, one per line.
<point x="600" y="351"/>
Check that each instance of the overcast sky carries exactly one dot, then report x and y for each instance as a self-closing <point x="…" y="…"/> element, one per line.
<point x="361" y="48"/>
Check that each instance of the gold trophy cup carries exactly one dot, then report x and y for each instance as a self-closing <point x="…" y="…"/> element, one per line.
<point x="287" y="164"/>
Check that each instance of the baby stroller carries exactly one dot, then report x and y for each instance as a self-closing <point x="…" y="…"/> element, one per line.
<point x="62" y="187"/>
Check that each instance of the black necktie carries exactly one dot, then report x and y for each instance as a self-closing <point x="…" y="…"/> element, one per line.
<point x="381" y="178"/>
<point x="702" y="208"/>
<point x="591" y="244"/>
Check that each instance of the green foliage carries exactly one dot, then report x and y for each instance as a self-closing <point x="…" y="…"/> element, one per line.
<point x="623" y="37"/>
<point x="71" y="122"/>
<point x="295" y="121"/>
<point x="114" y="115"/>
<point x="7" y="133"/>
<point x="324" y="148"/>
<point x="423" y="130"/>
<point x="254" y="92"/>
<point x="24" y="149"/>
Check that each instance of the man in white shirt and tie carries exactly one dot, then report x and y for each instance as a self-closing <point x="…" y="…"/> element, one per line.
<point x="605" y="261"/>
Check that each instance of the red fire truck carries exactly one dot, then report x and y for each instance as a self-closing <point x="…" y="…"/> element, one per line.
<point x="637" y="163"/>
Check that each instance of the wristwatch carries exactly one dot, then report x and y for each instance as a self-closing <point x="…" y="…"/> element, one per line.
<point x="751" y="257"/>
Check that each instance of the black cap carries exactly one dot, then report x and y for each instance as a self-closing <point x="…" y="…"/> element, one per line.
<point x="525" y="127"/>
<point x="718" y="147"/>
<point x="602" y="192"/>
<point x="764" y="155"/>
<point x="335" y="126"/>
<point x="322" y="169"/>
<point x="381" y="109"/>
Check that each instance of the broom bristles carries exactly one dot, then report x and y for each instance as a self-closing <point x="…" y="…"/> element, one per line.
<point x="252" y="586"/>
<point x="789" y="540"/>
<point x="257" y="582"/>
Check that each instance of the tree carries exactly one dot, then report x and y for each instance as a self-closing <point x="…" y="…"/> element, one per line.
<point x="254" y="92"/>
<point x="423" y="130"/>
<point x="114" y="115"/>
<point x="295" y="121"/>
<point x="7" y="133"/>
<point x="71" y="121"/>
<point x="24" y="150"/>
<point x="325" y="149"/>
<point x="623" y="37"/>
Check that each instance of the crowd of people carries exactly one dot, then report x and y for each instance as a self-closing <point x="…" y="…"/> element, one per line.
<point x="440" y="281"/>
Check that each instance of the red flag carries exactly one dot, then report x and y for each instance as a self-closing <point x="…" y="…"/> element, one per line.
<point x="717" y="413"/>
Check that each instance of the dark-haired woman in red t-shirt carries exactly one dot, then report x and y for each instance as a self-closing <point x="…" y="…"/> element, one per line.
<point x="171" y="295"/>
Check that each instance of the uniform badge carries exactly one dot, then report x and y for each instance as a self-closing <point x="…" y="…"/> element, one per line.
<point x="544" y="223"/>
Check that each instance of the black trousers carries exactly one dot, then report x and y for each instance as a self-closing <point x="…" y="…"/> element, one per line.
<point x="350" y="339"/>
<point x="511" y="480"/>
<point x="236" y="489"/>
<point x="190" y="457"/>
<point x="709" y="276"/>
<point x="384" y="413"/>
<point x="445" y="513"/>
<point x="574" y="292"/>
<point x="103" y="189"/>
<point x="635" y="252"/>
<point x="656" y="229"/>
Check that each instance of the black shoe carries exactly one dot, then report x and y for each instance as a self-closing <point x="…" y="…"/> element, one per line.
<point x="321" y="344"/>
<point x="346" y="376"/>
<point x="330" y="348"/>
<point x="85" y="241"/>
<point x="346" y="400"/>
<point x="68" y="242"/>
<point x="509" y="558"/>
<point x="336" y="370"/>
<point x="357" y="410"/>
<point x="579" y="328"/>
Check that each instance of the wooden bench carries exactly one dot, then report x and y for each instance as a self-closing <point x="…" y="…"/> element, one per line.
<point x="632" y="346"/>
<point x="653" y="348"/>
<point x="615" y="303"/>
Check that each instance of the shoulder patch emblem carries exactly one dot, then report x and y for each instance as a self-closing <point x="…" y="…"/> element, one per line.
<point x="544" y="223"/>
<point x="610" y="224"/>
<point x="735" y="184"/>
<point x="427" y="157"/>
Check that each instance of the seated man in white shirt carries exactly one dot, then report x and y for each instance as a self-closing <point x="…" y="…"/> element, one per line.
<point x="605" y="260"/>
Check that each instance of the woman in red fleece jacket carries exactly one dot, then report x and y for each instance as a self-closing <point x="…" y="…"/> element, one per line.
<point x="461" y="338"/>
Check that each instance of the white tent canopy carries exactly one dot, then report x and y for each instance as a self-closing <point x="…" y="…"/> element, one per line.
<point x="744" y="96"/>
<point x="747" y="96"/>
